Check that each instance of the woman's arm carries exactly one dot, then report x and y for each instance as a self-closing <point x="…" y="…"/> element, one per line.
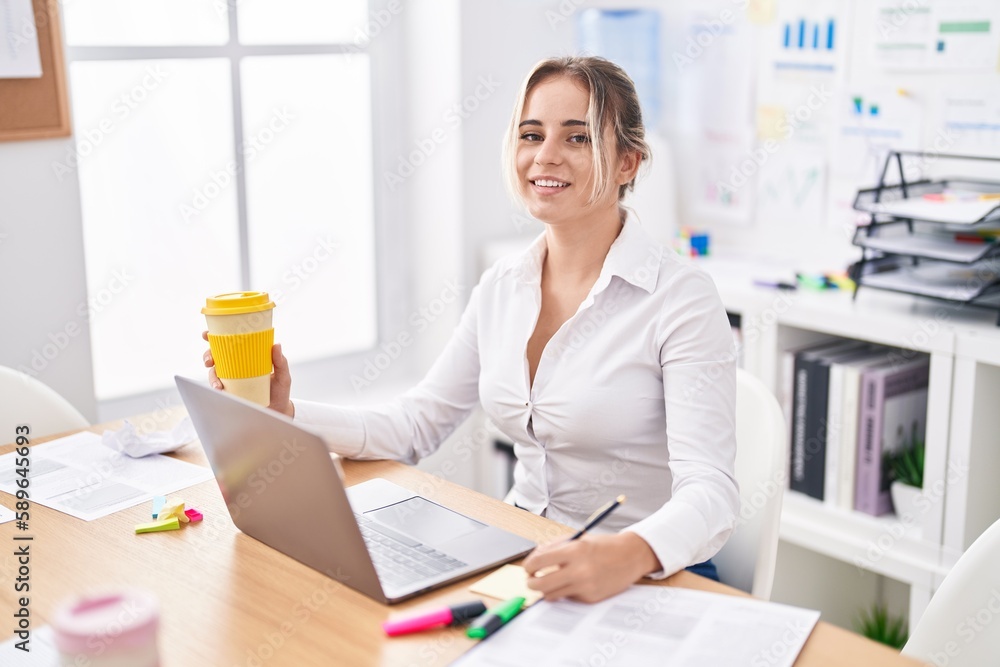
<point x="698" y="358"/>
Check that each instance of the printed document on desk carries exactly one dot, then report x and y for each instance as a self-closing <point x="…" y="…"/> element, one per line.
<point x="650" y="625"/>
<point x="79" y="476"/>
<point x="43" y="651"/>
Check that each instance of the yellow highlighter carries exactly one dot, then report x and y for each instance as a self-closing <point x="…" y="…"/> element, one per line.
<point x="158" y="526"/>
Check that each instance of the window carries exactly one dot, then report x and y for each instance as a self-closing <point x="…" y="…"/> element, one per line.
<point x="222" y="145"/>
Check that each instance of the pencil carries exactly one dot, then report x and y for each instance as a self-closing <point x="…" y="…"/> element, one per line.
<point x="598" y="516"/>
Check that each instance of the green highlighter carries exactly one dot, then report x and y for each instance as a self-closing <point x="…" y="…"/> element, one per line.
<point x="494" y="619"/>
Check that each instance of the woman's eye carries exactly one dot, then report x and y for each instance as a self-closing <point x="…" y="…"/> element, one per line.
<point x="580" y="139"/>
<point x="531" y="136"/>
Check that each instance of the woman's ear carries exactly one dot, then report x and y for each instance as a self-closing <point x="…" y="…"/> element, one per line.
<point x="628" y="167"/>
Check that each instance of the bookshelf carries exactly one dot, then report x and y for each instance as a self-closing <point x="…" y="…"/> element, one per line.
<point x="962" y="448"/>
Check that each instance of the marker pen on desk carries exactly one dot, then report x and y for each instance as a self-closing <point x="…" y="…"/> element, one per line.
<point x="495" y="618"/>
<point x="454" y="615"/>
<point x="774" y="284"/>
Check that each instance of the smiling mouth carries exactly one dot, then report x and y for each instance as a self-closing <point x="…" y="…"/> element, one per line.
<point x="548" y="183"/>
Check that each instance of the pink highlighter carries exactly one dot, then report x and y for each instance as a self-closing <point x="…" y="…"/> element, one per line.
<point x="456" y="615"/>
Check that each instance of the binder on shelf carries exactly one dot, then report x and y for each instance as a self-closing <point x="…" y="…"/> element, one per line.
<point x="893" y="414"/>
<point x="841" y="423"/>
<point x="809" y="409"/>
<point x="850" y="411"/>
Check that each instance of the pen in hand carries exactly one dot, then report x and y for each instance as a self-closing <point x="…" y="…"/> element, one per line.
<point x="598" y="516"/>
<point x="594" y="519"/>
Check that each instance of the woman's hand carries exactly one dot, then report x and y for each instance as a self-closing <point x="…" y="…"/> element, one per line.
<point x="590" y="569"/>
<point x="281" y="379"/>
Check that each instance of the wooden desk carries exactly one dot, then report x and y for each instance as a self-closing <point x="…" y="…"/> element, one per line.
<point x="227" y="599"/>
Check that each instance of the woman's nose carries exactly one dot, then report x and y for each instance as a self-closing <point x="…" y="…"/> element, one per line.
<point x="548" y="152"/>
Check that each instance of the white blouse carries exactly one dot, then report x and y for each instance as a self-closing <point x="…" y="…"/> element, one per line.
<point x="635" y="394"/>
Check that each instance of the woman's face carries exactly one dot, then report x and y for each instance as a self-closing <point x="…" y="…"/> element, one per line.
<point x="554" y="168"/>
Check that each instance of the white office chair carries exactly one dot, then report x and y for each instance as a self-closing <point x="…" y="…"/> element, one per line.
<point x="747" y="560"/>
<point x="25" y="400"/>
<point x="957" y="628"/>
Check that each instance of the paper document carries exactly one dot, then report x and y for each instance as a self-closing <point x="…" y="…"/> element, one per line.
<point x="6" y="514"/>
<point x="43" y="650"/>
<point x="650" y="625"/>
<point x="932" y="35"/>
<point x="953" y="212"/>
<point x="79" y="476"/>
<point x="935" y="247"/>
<point x="19" y="57"/>
<point x="944" y="281"/>
<point x="971" y="120"/>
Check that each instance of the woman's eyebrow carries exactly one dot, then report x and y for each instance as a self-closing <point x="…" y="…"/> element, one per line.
<point x="565" y="123"/>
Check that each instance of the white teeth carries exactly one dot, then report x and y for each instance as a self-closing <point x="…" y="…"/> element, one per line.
<point x="551" y="184"/>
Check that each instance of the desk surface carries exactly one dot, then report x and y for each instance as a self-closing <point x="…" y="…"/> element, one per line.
<point x="227" y="599"/>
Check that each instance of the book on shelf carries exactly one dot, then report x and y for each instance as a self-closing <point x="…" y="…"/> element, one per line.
<point x="850" y="407"/>
<point x="809" y="415"/>
<point x="841" y="428"/>
<point x="893" y="415"/>
<point x="788" y="377"/>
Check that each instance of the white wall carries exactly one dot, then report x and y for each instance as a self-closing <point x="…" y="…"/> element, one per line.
<point x="500" y="43"/>
<point x="44" y="298"/>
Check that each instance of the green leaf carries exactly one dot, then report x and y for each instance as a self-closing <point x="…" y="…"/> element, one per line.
<point x="907" y="465"/>
<point x="878" y="625"/>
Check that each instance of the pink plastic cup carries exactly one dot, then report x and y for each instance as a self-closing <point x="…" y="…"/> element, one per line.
<point x="108" y="630"/>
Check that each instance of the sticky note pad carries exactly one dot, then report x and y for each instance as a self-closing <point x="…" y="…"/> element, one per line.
<point x="510" y="581"/>
<point x="193" y="515"/>
<point x="158" y="526"/>
<point x="173" y="508"/>
<point x="158" y="503"/>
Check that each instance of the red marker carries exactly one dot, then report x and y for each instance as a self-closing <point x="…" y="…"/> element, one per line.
<point x="455" y="615"/>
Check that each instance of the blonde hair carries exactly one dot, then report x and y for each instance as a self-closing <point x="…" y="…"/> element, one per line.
<point x="613" y="103"/>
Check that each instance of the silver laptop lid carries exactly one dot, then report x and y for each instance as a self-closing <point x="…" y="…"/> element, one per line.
<point x="280" y="485"/>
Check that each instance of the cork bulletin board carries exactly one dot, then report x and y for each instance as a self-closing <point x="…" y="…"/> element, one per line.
<point x="38" y="108"/>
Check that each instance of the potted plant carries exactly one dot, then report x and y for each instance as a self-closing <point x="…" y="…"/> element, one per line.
<point x="907" y="469"/>
<point x="876" y="624"/>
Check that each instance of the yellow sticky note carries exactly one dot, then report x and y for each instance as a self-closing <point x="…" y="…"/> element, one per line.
<point x="158" y="526"/>
<point x="771" y="122"/>
<point x="173" y="508"/>
<point x="510" y="581"/>
<point x="761" y="12"/>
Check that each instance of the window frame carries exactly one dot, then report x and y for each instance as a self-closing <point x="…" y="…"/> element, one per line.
<point x="326" y="377"/>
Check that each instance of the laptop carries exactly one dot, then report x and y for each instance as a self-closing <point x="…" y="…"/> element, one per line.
<point x="283" y="488"/>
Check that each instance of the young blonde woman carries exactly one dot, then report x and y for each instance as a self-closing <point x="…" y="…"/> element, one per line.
<point x="606" y="359"/>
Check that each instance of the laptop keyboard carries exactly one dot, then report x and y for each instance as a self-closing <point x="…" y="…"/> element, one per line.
<point x="399" y="560"/>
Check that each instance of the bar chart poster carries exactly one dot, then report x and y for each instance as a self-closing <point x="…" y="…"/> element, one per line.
<point x="809" y="36"/>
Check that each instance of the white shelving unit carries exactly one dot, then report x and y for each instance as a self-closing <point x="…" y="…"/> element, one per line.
<point x="962" y="445"/>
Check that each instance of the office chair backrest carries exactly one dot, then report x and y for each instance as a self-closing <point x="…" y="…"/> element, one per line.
<point x="961" y="626"/>
<point x="747" y="560"/>
<point x="25" y="400"/>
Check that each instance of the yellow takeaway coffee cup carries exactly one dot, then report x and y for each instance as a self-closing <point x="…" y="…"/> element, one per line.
<point x="240" y="336"/>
